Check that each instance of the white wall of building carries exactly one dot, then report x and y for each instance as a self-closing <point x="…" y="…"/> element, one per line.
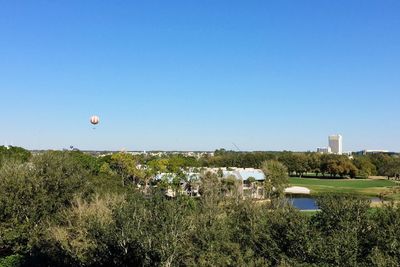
<point x="336" y="144"/>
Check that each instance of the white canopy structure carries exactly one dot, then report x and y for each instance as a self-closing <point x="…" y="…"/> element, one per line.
<point x="297" y="190"/>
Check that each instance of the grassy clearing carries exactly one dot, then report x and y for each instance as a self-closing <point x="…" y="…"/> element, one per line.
<point x="309" y="213"/>
<point x="368" y="187"/>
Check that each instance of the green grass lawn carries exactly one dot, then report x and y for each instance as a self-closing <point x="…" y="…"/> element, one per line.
<point x="366" y="187"/>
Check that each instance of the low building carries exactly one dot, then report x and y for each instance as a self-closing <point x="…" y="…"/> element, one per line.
<point x="248" y="181"/>
<point x="371" y="151"/>
<point x="251" y="181"/>
<point x="324" y="150"/>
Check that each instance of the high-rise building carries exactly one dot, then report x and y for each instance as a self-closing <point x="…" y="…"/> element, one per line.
<point x="336" y="144"/>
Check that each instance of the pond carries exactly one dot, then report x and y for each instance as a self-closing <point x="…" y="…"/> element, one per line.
<point x="309" y="203"/>
<point x="303" y="202"/>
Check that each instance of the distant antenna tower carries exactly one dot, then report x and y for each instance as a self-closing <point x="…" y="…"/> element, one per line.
<point x="237" y="147"/>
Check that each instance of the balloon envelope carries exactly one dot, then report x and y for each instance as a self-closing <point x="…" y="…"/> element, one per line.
<point x="94" y="120"/>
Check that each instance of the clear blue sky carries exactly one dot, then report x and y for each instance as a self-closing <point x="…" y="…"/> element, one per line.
<point x="199" y="75"/>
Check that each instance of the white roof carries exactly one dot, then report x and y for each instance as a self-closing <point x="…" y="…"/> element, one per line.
<point x="297" y="190"/>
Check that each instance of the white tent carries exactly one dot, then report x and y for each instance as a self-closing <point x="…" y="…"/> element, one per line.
<point x="297" y="190"/>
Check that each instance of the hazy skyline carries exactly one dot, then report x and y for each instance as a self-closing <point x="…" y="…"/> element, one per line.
<point x="200" y="75"/>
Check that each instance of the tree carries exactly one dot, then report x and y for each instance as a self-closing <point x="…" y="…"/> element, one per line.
<point x="342" y="230"/>
<point x="365" y="167"/>
<point x="288" y="159"/>
<point x="105" y="169"/>
<point x="126" y="166"/>
<point x="276" y="178"/>
<point x="88" y="162"/>
<point x="295" y="163"/>
<point x="338" y="165"/>
<point x="12" y="261"/>
<point x="85" y="232"/>
<point x="386" y="233"/>
<point x="56" y="211"/>
<point x="314" y="163"/>
<point x="210" y="186"/>
<point x="175" y="164"/>
<point x="14" y="153"/>
<point x="31" y="193"/>
<point x="158" y="165"/>
<point x="230" y="186"/>
<point x="282" y="236"/>
<point x="393" y="168"/>
<point x="386" y="165"/>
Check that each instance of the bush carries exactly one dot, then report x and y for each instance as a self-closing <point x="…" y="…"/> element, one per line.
<point x="30" y="193"/>
<point x="11" y="261"/>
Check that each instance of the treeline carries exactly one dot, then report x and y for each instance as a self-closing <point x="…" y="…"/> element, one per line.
<point x="71" y="209"/>
<point x="300" y="164"/>
<point x="297" y="163"/>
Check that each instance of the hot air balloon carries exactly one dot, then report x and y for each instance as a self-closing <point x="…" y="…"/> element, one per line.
<point x="94" y="120"/>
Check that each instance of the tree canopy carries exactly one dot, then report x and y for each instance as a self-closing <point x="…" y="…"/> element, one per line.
<point x="69" y="209"/>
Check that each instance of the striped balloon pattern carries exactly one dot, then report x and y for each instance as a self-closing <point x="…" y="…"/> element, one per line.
<point x="94" y="120"/>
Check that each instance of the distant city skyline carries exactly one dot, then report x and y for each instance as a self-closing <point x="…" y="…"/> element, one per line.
<point x="200" y="75"/>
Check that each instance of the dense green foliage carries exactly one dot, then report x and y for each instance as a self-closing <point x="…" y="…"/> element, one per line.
<point x="13" y="153"/>
<point x="72" y="209"/>
<point x="299" y="164"/>
<point x="11" y="261"/>
<point x="276" y="178"/>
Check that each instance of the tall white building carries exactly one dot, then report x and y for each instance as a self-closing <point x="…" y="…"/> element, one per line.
<point x="336" y="144"/>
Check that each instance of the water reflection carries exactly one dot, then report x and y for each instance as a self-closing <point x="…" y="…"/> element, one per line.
<point x="303" y="203"/>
